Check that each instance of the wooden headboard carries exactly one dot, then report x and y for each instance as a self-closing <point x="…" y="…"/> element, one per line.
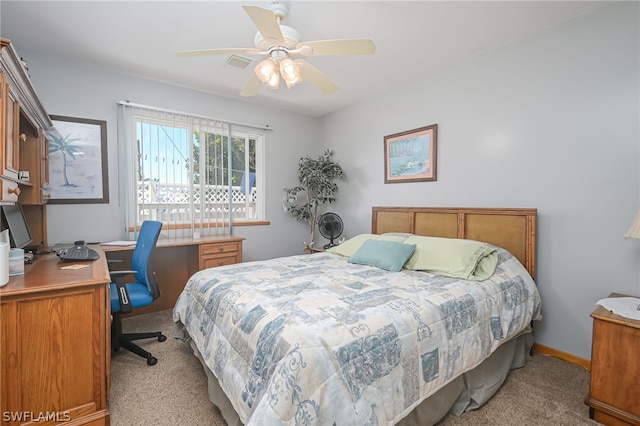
<point x="511" y="229"/>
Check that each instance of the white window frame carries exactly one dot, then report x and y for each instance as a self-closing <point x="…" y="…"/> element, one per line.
<point x="196" y="214"/>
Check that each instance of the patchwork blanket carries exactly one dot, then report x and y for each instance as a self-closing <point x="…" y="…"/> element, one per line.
<point x="313" y="339"/>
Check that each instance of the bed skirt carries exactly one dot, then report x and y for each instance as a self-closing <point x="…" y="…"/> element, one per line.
<point x="464" y="393"/>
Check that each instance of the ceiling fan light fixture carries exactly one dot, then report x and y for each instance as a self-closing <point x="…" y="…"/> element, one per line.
<point x="290" y="72"/>
<point x="281" y="43"/>
<point x="274" y="81"/>
<point x="267" y="73"/>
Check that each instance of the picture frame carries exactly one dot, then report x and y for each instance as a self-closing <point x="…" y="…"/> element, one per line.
<point x="410" y="156"/>
<point x="78" y="167"/>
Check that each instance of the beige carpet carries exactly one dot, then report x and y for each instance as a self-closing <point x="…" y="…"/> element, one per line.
<point x="547" y="391"/>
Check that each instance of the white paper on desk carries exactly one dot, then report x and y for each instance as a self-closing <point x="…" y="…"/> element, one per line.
<point x="623" y="306"/>
<point x="119" y="243"/>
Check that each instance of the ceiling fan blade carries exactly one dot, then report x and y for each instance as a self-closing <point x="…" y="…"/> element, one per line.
<point x="338" y="47"/>
<point x="252" y="86"/>
<point x="315" y="77"/>
<point x="208" y="52"/>
<point x="266" y="22"/>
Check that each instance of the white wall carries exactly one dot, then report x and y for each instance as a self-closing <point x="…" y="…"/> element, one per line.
<point x="550" y="122"/>
<point x="77" y="90"/>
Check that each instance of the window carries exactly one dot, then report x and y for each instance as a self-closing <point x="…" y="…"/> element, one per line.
<point x="189" y="172"/>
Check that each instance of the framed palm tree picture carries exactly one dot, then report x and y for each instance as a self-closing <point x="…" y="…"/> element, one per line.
<point x="78" y="172"/>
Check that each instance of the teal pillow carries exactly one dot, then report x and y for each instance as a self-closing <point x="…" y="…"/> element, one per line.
<point x="349" y="247"/>
<point x="389" y="255"/>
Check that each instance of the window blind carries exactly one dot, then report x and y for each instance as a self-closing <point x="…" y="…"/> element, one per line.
<point x="178" y="168"/>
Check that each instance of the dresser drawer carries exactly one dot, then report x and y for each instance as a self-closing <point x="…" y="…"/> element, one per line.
<point x="219" y="248"/>
<point x="215" y="261"/>
<point x="220" y="253"/>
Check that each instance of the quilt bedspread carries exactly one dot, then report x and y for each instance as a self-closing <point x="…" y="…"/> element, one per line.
<point x="313" y="339"/>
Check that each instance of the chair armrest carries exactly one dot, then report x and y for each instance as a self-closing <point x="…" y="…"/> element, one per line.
<point x="121" y="289"/>
<point x="118" y="274"/>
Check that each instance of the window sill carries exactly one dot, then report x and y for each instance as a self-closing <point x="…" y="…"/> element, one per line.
<point x="251" y="223"/>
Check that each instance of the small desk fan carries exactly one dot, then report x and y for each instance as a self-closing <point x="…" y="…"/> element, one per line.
<point x="330" y="227"/>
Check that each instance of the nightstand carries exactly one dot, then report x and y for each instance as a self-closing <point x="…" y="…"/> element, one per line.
<point x="614" y="389"/>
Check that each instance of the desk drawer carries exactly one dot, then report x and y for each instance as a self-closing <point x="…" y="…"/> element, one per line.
<point x="215" y="261"/>
<point x="9" y="190"/>
<point x="219" y="248"/>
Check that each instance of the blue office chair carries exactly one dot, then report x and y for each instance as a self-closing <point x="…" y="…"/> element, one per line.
<point x="127" y="296"/>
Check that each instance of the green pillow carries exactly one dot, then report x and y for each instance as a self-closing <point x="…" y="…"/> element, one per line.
<point x="389" y="255"/>
<point x="349" y="247"/>
<point x="452" y="257"/>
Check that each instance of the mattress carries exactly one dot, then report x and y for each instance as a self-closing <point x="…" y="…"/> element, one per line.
<point x="314" y="339"/>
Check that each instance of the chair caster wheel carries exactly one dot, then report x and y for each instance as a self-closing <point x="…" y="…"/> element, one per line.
<point x="162" y="338"/>
<point x="152" y="360"/>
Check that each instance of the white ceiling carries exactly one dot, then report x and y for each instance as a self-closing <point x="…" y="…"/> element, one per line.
<point x="141" y="38"/>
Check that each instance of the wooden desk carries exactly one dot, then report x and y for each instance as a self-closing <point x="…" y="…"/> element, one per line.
<point x="174" y="260"/>
<point x="55" y="343"/>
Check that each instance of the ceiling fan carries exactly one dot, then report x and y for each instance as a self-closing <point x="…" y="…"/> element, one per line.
<point x="282" y="46"/>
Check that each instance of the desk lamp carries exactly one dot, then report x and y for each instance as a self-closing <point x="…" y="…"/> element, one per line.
<point x="634" y="230"/>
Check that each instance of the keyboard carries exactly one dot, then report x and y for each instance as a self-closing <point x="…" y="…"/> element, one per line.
<point x="78" y="252"/>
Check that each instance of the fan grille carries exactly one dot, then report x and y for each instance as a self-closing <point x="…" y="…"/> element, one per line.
<point x="330" y="226"/>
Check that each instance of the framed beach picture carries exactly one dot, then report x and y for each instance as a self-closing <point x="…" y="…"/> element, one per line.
<point x="78" y="172"/>
<point x="411" y="156"/>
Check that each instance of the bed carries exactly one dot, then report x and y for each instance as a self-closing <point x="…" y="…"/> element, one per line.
<point x="423" y="316"/>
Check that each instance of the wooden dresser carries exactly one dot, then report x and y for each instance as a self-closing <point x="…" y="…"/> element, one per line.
<point x="55" y="344"/>
<point x="614" y="390"/>
<point x="220" y="252"/>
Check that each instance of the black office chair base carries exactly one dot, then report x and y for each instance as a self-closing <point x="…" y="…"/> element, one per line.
<point x="125" y="340"/>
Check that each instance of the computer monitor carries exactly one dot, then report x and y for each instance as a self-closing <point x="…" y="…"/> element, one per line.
<point x="15" y="221"/>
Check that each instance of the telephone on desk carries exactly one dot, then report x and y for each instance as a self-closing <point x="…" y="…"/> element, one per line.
<point x="78" y="252"/>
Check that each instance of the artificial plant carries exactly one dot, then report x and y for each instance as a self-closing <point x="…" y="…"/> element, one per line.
<point x="317" y="187"/>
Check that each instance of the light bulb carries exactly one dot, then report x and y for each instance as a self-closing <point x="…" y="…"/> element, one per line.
<point x="274" y="81"/>
<point x="290" y="72"/>
<point x="265" y="70"/>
